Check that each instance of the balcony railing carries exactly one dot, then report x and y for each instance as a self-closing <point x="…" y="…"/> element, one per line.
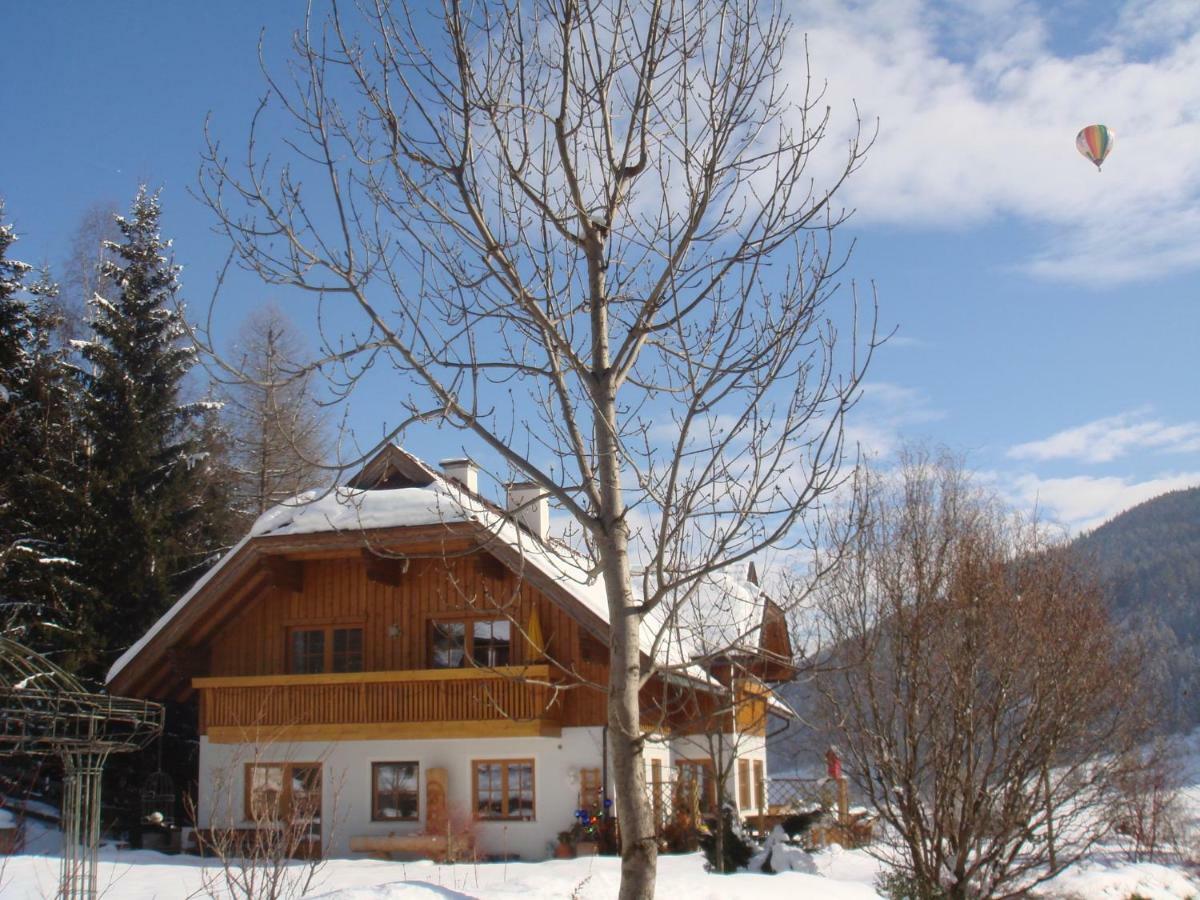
<point x="510" y="700"/>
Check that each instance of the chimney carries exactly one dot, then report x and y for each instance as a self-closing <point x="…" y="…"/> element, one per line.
<point x="462" y="470"/>
<point x="529" y="506"/>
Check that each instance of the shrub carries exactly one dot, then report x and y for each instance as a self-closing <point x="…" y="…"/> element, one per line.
<point x="730" y="854"/>
<point x="899" y="885"/>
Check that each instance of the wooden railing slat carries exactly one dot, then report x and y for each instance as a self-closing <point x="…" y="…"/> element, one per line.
<point x="369" y="697"/>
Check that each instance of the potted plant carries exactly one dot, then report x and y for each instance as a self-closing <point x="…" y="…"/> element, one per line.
<point x="566" y="845"/>
<point x="584" y="831"/>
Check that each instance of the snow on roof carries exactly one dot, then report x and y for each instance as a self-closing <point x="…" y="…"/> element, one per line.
<point x="442" y="502"/>
<point x="347" y="509"/>
<point x="718" y="613"/>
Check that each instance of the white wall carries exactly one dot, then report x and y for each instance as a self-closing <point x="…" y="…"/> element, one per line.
<point x="346" y="780"/>
<point x="346" y="770"/>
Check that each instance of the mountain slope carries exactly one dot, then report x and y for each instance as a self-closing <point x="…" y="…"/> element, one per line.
<point x="1149" y="561"/>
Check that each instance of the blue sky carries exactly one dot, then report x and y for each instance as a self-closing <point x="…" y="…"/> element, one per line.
<point x="1047" y="314"/>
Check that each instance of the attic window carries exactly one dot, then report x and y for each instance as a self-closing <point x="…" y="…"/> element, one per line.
<point x="592" y="649"/>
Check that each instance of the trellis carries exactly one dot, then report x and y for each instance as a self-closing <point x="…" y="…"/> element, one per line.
<point x="46" y="712"/>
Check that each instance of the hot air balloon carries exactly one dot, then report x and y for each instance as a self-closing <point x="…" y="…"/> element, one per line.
<point x="1095" y="142"/>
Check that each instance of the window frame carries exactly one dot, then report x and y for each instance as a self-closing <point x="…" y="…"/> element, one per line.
<point x="327" y="655"/>
<point x="376" y="813"/>
<point x="760" y="784"/>
<point x="657" y="790"/>
<point x="284" y="802"/>
<point x="743" y="774"/>
<point x="468" y="624"/>
<point x="707" y="790"/>
<point x="505" y="790"/>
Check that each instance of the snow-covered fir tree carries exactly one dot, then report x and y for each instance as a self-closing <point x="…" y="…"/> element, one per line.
<point x="40" y="489"/>
<point x="153" y="526"/>
<point x="13" y="318"/>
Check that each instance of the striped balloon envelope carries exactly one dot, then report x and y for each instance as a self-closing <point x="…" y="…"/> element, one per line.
<point x="1095" y="142"/>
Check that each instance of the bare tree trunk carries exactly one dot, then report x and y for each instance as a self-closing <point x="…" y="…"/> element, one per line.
<point x="639" y="846"/>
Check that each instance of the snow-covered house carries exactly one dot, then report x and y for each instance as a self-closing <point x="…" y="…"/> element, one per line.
<point x="399" y="650"/>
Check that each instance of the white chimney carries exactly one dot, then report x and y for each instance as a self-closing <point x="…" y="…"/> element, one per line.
<point x="529" y="506"/>
<point x="464" y="471"/>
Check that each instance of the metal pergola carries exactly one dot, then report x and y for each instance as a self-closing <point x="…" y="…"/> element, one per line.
<point x="46" y="712"/>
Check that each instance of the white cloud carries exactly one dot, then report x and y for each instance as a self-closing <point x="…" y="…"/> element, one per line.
<point x="885" y="415"/>
<point x="1154" y="23"/>
<point x="1105" y="440"/>
<point x="978" y="118"/>
<point x="1082" y="502"/>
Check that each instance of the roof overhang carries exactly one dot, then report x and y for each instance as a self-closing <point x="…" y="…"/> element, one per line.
<point x="157" y="664"/>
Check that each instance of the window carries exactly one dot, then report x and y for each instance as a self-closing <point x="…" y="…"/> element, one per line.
<point x="743" y="784"/>
<point x="447" y="645"/>
<point x="326" y="649"/>
<point x="503" y="789"/>
<point x="695" y="785"/>
<point x="760" y="786"/>
<point x="591" y="790"/>
<point x="486" y="643"/>
<point x="347" y="650"/>
<point x="491" y="643"/>
<point x="283" y="790"/>
<point x="395" y="791"/>
<point x="308" y="652"/>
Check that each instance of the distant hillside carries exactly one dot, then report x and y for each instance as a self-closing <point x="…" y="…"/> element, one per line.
<point x="1149" y="559"/>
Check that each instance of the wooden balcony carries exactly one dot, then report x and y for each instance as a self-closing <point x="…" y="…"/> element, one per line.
<point x="511" y="701"/>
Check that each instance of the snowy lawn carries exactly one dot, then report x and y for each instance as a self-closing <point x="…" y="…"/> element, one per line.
<point x="141" y="875"/>
<point x="843" y="875"/>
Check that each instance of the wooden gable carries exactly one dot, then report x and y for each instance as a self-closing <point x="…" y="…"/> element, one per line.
<point x="392" y="468"/>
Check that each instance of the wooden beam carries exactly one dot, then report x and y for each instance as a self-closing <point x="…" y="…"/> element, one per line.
<point x="387" y="570"/>
<point x="382" y="731"/>
<point x="538" y="672"/>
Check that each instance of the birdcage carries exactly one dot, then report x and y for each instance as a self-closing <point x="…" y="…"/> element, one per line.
<point x="158" y="798"/>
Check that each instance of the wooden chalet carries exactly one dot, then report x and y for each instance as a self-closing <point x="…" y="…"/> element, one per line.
<point x="400" y="654"/>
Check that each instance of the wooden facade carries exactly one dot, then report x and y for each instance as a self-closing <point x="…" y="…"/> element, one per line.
<point x="230" y="646"/>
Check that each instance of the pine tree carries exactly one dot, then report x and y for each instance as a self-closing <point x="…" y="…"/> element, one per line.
<point x="150" y="528"/>
<point x="14" y="338"/>
<point x="40" y="596"/>
<point x="13" y="318"/>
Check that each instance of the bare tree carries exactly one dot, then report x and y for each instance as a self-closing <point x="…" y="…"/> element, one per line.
<point x="277" y="428"/>
<point x="590" y="234"/>
<point x="267" y="823"/>
<point x="1148" y="811"/>
<point x="81" y="279"/>
<point x="980" y="693"/>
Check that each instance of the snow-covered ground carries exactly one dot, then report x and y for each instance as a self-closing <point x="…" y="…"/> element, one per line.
<point x="144" y="874"/>
<point x="842" y="875"/>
